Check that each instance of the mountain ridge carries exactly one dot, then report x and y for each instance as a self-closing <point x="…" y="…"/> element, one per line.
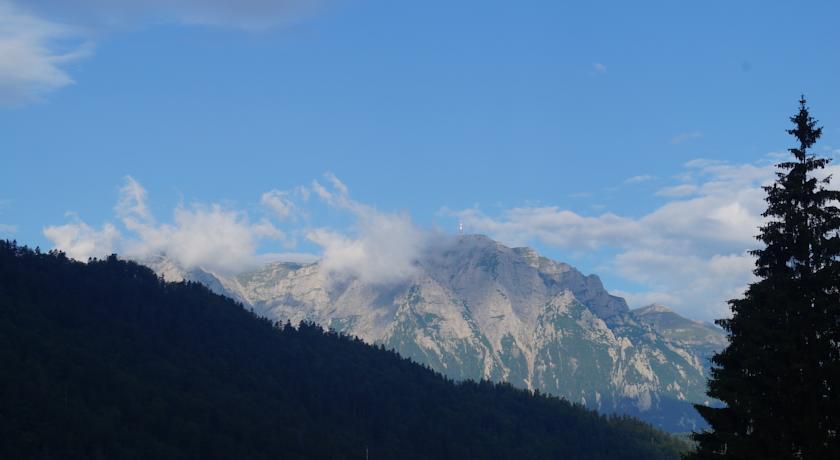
<point x="477" y="309"/>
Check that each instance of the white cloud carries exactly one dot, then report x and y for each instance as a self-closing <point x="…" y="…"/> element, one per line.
<point x="383" y="248"/>
<point x="207" y="236"/>
<point x="557" y="227"/>
<point x="280" y="203"/>
<point x="599" y="68"/>
<point x="81" y="241"/>
<point x="690" y="253"/>
<point x="33" y="54"/>
<point x="678" y="190"/>
<point x="210" y="237"/>
<point x="132" y="202"/>
<point x="639" y="179"/>
<point x="691" y="283"/>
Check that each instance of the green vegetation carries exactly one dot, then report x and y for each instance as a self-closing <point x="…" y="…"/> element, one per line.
<point x="105" y="360"/>
<point x="780" y="375"/>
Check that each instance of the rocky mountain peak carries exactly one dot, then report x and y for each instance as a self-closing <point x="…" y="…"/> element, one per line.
<point x="653" y="308"/>
<point x="478" y="309"/>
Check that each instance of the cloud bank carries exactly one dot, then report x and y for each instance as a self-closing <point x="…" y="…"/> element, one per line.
<point x="380" y="247"/>
<point x="691" y="252"/>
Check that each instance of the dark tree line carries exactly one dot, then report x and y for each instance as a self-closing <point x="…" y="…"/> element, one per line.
<point x="780" y="375"/>
<point x="105" y="360"/>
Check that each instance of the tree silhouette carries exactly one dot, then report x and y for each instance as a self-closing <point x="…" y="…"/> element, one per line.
<point x="780" y="375"/>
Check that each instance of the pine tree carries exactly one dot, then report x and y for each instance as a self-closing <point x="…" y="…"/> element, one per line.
<point x="779" y="378"/>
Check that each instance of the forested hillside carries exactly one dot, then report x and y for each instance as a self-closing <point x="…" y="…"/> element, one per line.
<point x="105" y="360"/>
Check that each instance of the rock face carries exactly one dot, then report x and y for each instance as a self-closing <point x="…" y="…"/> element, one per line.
<point x="476" y="309"/>
<point x="704" y="338"/>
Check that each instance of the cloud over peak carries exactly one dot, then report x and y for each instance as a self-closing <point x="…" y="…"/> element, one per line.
<point x="690" y="252"/>
<point x="382" y="247"/>
<point x="379" y="247"/>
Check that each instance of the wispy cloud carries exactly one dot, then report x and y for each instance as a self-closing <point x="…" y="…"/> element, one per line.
<point x="280" y="202"/>
<point x="34" y="53"/>
<point x="599" y="67"/>
<point x="245" y="14"/>
<point x="639" y="179"/>
<point x="678" y="190"/>
<point x="685" y="137"/>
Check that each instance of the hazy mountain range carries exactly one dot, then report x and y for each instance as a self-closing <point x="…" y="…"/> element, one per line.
<point x="476" y="309"/>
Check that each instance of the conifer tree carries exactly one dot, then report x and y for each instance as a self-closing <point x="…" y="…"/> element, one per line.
<point x="779" y="378"/>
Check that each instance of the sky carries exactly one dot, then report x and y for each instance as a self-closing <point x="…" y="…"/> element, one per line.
<point x="629" y="139"/>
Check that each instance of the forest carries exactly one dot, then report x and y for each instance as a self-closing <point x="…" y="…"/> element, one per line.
<point x="106" y="360"/>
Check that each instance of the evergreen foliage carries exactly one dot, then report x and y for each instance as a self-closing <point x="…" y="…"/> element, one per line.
<point x="105" y="360"/>
<point x="780" y="375"/>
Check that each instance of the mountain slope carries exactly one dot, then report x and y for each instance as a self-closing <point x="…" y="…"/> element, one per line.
<point x="476" y="309"/>
<point x="105" y="360"/>
<point x="705" y="338"/>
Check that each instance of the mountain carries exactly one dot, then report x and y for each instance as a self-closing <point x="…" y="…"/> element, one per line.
<point x="706" y="339"/>
<point x="476" y="309"/>
<point x="105" y="360"/>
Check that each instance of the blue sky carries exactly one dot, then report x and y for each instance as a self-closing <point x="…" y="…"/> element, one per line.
<point x="627" y="139"/>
